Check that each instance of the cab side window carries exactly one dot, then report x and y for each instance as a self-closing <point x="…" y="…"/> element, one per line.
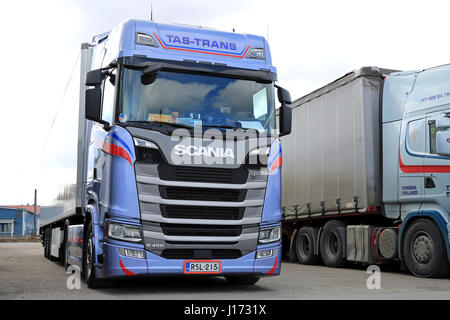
<point x="108" y="99"/>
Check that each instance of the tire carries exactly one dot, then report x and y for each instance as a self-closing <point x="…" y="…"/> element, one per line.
<point x="242" y="280"/>
<point x="64" y="256"/>
<point x="89" y="268"/>
<point x="45" y="235"/>
<point x="305" y="243"/>
<point x="49" y="245"/>
<point x="332" y="244"/>
<point x="424" y="250"/>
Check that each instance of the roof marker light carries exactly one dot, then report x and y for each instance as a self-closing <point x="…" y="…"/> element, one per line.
<point x="256" y="53"/>
<point x="145" y="40"/>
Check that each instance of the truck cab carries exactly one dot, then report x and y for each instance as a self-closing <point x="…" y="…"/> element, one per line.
<point x="416" y="158"/>
<point x="178" y="163"/>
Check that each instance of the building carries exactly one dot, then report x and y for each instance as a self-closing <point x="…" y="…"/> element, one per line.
<point x="16" y="222"/>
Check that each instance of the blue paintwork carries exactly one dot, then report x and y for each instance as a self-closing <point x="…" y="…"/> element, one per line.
<point x="156" y="265"/>
<point x="23" y="220"/>
<point x="121" y="43"/>
<point x="114" y="190"/>
<point x="438" y="218"/>
<point x="272" y="202"/>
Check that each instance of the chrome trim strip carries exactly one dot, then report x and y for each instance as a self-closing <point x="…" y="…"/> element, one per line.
<point x="157" y="181"/>
<point x="160" y="219"/>
<point x="161" y="236"/>
<point x="245" y="203"/>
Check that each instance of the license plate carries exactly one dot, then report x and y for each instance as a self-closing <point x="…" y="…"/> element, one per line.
<point x="201" y="266"/>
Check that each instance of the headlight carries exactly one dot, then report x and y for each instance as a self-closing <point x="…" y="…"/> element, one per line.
<point x="138" y="142"/>
<point x="268" y="235"/>
<point x="124" y="232"/>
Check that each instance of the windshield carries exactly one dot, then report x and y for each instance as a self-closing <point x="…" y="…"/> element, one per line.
<point x="192" y="99"/>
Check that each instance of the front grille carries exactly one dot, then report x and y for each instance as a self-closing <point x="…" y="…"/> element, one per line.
<point x="202" y="194"/>
<point x="200" y="230"/>
<point x="201" y="254"/>
<point x="198" y="212"/>
<point x="202" y="174"/>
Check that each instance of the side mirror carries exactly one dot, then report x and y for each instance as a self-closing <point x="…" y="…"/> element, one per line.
<point x="93" y="97"/>
<point x="94" y="77"/>
<point x="443" y="123"/>
<point x="285" y="120"/>
<point x="443" y="136"/>
<point x="94" y="104"/>
<point x="284" y="96"/>
<point x="443" y="143"/>
<point x="285" y="114"/>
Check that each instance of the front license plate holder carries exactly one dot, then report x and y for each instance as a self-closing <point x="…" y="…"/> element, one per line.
<point x="202" y="267"/>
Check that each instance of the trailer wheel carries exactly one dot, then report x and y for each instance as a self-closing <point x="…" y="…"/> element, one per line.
<point x="242" y="280"/>
<point x="48" y="243"/>
<point x="305" y="244"/>
<point x="65" y="246"/>
<point x="424" y="250"/>
<point x="332" y="244"/>
<point x="90" y="270"/>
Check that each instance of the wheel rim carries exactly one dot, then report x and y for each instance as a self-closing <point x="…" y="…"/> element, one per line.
<point x="305" y="245"/>
<point x="422" y="247"/>
<point x="333" y="244"/>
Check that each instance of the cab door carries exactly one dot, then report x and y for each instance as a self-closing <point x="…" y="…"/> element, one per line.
<point x="411" y="153"/>
<point x="437" y="159"/>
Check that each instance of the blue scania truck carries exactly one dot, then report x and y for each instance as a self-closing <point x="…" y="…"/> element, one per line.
<point x="164" y="157"/>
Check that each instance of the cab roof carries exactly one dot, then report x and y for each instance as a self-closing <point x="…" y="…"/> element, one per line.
<point x="184" y="43"/>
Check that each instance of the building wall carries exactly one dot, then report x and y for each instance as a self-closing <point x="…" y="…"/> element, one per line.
<point x="23" y="221"/>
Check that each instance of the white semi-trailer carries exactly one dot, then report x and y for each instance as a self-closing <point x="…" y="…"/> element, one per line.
<point x="365" y="174"/>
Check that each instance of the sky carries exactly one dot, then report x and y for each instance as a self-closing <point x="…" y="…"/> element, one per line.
<point x="312" y="43"/>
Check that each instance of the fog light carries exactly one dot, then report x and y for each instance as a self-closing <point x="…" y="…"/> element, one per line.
<point x="139" y="254"/>
<point x="265" y="253"/>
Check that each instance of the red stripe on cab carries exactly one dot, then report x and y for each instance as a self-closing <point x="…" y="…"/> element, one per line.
<point x="421" y="169"/>
<point x="276" y="164"/>
<point x="116" y="151"/>
<point x="274" y="267"/>
<point x="125" y="270"/>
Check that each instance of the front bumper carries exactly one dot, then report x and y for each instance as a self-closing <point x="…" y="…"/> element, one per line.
<point x="117" y="265"/>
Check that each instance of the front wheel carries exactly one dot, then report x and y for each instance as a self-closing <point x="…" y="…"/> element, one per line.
<point x="424" y="250"/>
<point x="89" y="267"/>
<point x="242" y="280"/>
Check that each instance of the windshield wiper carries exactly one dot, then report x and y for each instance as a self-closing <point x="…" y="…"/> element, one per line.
<point x="173" y="124"/>
<point x="161" y="123"/>
<point x="221" y="126"/>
